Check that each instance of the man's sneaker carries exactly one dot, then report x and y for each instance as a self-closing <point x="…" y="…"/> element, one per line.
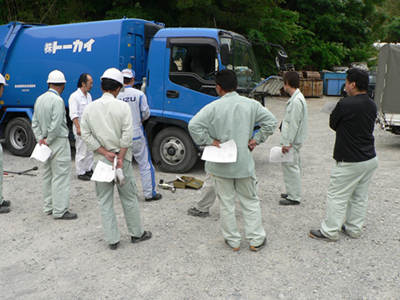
<point x="195" y="212"/>
<point x="154" y="198"/>
<point x="257" y="248"/>
<point x="113" y="246"/>
<point x="288" y="202"/>
<point x="284" y="196"/>
<point x="233" y="248"/>
<point x="84" y="177"/>
<point x="145" y="236"/>
<point x="6" y="203"/>
<point x="68" y="216"/>
<point x="317" y="234"/>
<point x="4" y="210"/>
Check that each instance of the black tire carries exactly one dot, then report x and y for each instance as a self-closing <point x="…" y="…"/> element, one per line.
<point x="174" y="151"/>
<point x="20" y="139"/>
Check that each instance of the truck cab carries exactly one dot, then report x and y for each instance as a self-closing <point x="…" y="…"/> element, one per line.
<point x="180" y="82"/>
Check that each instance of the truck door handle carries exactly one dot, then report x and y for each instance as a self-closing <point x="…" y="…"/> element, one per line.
<point x="172" y="94"/>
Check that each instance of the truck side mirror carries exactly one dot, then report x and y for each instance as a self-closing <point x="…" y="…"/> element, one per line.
<point x="225" y="54"/>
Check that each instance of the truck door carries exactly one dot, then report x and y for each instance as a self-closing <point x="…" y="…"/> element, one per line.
<point x="190" y="85"/>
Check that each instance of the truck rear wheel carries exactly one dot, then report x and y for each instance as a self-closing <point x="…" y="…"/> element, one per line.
<point x="174" y="151"/>
<point x="20" y="139"/>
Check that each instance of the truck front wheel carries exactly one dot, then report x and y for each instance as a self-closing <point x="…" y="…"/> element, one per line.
<point x="174" y="151"/>
<point x="20" y="139"/>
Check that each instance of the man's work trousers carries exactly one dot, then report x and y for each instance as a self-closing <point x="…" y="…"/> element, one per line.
<point x="128" y="197"/>
<point x="347" y="197"/>
<point x="56" y="178"/>
<point x="83" y="157"/>
<point x="226" y="190"/>
<point x="292" y="176"/>
<point x="207" y="195"/>
<point x="140" y="152"/>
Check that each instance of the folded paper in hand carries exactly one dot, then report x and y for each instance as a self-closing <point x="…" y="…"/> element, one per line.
<point x="41" y="152"/>
<point x="226" y="154"/>
<point x="276" y="155"/>
<point x="104" y="172"/>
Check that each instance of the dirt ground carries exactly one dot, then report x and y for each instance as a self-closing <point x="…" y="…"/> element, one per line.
<point x="187" y="258"/>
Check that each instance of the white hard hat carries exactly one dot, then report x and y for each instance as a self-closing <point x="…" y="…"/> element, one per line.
<point x="2" y="80"/>
<point x="128" y="73"/>
<point x="56" y="76"/>
<point x="116" y="75"/>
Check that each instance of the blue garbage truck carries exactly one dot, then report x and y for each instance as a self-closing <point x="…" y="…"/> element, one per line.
<point x="176" y="65"/>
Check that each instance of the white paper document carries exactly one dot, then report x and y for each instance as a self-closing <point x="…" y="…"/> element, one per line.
<point x="41" y="152"/>
<point x="226" y="154"/>
<point x="276" y="155"/>
<point x="328" y="108"/>
<point x="104" y="172"/>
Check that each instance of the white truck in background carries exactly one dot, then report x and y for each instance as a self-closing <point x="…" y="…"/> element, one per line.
<point x="387" y="90"/>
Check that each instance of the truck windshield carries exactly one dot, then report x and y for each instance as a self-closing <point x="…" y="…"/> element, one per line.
<point x="244" y="62"/>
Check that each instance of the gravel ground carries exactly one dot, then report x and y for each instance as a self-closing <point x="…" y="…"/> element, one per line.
<point x="187" y="258"/>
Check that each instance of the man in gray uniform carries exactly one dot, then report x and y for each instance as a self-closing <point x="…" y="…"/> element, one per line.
<point x="49" y="125"/>
<point x="294" y="134"/>
<point x="232" y="117"/>
<point x="353" y="119"/>
<point x="106" y="128"/>
<point x="4" y="204"/>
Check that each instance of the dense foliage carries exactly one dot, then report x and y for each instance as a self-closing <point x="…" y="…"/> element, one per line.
<point x="317" y="34"/>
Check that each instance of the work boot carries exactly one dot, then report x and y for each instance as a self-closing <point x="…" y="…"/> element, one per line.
<point x="4" y="210"/>
<point x="154" y="198"/>
<point x="84" y="177"/>
<point x="6" y="203"/>
<point x="68" y="216"/>
<point x="195" y="212"/>
<point x="145" y="236"/>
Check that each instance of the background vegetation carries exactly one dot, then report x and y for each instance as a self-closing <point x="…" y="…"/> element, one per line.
<point x="317" y="34"/>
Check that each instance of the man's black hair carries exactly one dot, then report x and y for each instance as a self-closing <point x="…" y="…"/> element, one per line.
<point x="127" y="80"/>
<point x="359" y="77"/>
<point x="292" y="78"/>
<point x="109" y="84"/>
<point x="82" y="78"/>
<point x="57" y="84"/>
<point x="227" y="80"/>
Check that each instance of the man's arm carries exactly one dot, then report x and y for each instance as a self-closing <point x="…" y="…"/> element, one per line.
<point x="267" y="122"/>
<point x="289" y="132"/>
<point x="335" y="117"/>
<point x="144" y="107"/>
<point x="86" y="133"/>
<point x="198" y="128"/>
<point x="56" y="120"/>
<point x="37" y="131"/>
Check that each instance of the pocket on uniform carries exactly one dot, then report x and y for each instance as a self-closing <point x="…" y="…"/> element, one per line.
<point x="63" y="165"/>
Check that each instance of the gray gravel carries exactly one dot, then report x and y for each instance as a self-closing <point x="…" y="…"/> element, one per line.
<point x="187" y="258"/>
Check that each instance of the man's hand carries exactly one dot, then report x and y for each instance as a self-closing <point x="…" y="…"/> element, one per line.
<point x="78" y="130"/>
<point x="216" y="144"/>
<point x="110" y="156"/>
<point x="286" y="149"/>
<point x="252" y="144"/>
<point x="43" y="142"/>
<point x="120" y="163"/>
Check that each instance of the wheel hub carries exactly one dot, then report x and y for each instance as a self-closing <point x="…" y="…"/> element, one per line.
<point x="173" y="150"/>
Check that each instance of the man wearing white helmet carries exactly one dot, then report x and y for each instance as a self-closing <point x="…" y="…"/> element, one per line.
<point x="140" y="112"/>
<point x="49" y="125"/>
<point x="106" y="128"/>
<point x="77" y="103"/>
<point x="4" y="204"/>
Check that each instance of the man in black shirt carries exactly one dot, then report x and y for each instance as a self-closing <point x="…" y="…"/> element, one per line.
<point x="353" y="120"/>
